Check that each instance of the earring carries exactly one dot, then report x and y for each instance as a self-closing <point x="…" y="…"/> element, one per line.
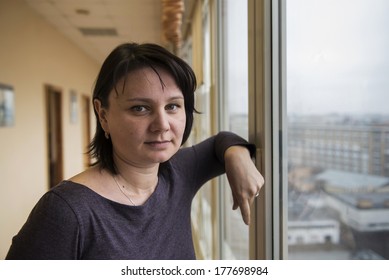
<point x="106" y="134"/>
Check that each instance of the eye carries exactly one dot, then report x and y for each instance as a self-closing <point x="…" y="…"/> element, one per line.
<point x="172" y="107"/>
<point x="138" y="109"/>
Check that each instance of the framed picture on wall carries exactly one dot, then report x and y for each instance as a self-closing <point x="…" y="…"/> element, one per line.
<point x="73" y="107"/>
<point x="7" y="107"/>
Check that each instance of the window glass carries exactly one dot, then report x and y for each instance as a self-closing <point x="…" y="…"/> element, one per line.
<point x="234" y="116"/>
<point x="201" y="213"/>
<point x="338" y="124"/>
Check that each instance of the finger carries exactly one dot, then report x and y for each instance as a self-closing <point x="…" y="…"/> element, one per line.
<point x="235" y="199"/>
<point x="245" y="211"/>
<point x="235" y="205"/>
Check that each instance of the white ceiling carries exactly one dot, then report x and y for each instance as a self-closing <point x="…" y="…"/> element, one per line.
<point x="123" y="21"/>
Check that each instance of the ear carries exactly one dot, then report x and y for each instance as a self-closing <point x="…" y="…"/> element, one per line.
<point x="102" y="113"/>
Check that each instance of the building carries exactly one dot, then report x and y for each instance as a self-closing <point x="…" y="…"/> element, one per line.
<point x="347" y="144"/>
<point x="362" y="202"/>
<point x="313" y="232"/>
<point x="343" y="161"/>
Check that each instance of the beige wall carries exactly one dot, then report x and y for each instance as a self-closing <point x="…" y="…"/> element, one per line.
<point x="32" y="54"/>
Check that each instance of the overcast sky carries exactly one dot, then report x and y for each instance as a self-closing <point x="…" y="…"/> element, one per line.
<point x="338" y="56"/>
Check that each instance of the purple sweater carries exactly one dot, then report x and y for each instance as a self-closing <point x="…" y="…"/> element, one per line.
<point x="73" y="222"/>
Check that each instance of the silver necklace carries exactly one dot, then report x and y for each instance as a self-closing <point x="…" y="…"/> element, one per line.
<point x="122" y="191"/>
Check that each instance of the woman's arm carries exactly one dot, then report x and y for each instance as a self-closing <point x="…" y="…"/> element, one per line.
<point x="244" y="178"/>
<point x="227" y="153"/>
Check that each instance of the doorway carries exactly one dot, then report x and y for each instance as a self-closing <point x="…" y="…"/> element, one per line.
<point x="54" y="134"/>
<point x="85" y="127"/>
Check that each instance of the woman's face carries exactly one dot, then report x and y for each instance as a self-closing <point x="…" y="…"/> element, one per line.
<point x="146" y="122"/>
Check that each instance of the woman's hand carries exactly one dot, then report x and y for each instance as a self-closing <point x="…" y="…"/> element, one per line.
<point x="244" y="178"/>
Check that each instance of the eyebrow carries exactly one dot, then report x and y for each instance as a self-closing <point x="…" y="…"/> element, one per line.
<point x="143" y="99"/>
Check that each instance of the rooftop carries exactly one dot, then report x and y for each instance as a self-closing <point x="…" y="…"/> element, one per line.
<point x="348" y="181"/>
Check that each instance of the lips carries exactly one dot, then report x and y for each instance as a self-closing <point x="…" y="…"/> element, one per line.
<point x="158" y="141"/>
<point x="158" y="144"/>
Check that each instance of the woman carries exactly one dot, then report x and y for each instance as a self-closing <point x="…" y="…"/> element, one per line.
<point x="135" y="201"/>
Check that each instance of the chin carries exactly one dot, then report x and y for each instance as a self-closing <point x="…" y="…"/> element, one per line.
<point x="163" y="158"/>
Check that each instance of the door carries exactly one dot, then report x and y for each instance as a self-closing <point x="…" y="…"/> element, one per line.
<point x="54" y="135"/>
<point x="85" y="126"/>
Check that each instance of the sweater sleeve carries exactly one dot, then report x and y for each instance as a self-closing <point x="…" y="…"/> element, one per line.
<point x="225" y="139"/>
<point x="205" y="160"/>
<point x="51" y="232"/>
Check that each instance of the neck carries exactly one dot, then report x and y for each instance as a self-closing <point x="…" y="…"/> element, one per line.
<point x="138" y="180"/>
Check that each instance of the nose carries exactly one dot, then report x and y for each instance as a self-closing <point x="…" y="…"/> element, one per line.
<point x="160" y="122"/>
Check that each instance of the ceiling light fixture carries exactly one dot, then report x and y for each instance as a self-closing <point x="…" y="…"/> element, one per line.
<point x="172" y="13"/>
<point x="83" y="12"/>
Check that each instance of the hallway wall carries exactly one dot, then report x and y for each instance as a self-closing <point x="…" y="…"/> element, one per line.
<point x="33" y="54"/>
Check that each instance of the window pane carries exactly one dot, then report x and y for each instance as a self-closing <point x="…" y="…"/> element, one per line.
<point x="235" y="236"/>
<point x="338" y="129"/>
<point x="202" y="208"/>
